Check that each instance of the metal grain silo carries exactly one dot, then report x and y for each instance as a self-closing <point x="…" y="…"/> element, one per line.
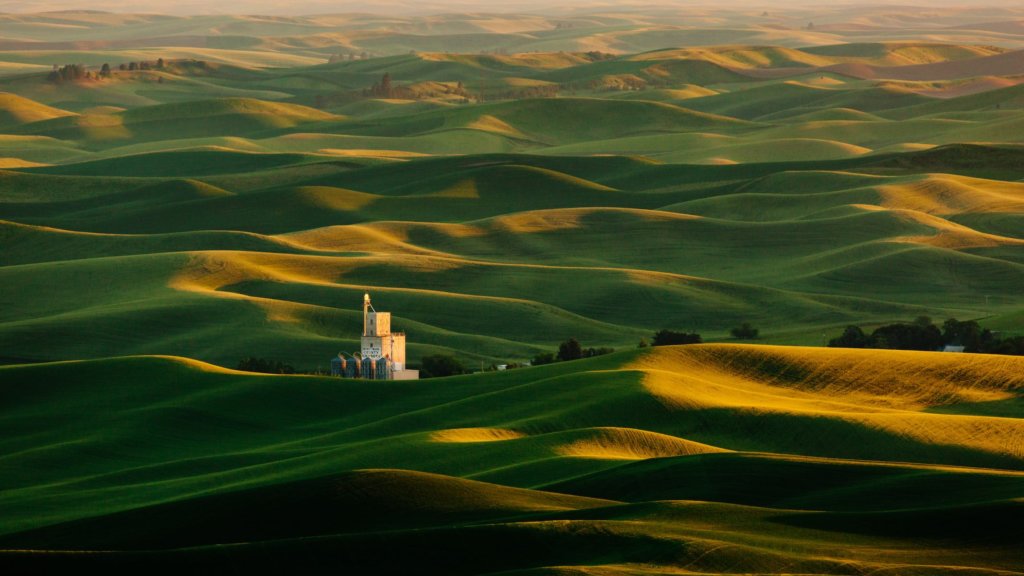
<point x="338" y="366"/>
<point x="383" y="369"/>
<point x="366" y="368"/>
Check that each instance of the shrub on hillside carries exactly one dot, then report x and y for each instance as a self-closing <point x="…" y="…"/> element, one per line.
<point x="542" y="358"/>
<point x="745" y="332"/>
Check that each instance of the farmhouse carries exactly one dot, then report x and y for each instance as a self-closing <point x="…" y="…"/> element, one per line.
<point x="382" y="352"/>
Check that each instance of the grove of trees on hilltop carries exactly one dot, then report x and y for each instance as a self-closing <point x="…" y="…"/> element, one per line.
<point x="922" y="334"/>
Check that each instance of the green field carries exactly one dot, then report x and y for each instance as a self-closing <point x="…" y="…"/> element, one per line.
<point x="235" y="184"/>
<point x="714" y="458"/>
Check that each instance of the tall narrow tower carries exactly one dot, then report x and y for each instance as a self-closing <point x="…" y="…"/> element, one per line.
<point x="380" y="344"/>
<point x="366" y="308"/>
<point x="377" y="341"/>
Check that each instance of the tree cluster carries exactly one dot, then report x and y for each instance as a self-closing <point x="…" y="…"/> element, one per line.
<point x="74" y="72"/>
<point x="385" y="88"/>
<point x="672" y="338"/>
<point x="252" y="364"/>
<point x="623" y="83"/>
<point x="142" y="65"/>
<point x="597" y="55"/>
<point x="381" y="89"/>
<point x="440" y="365"/>
<point x="69" y="73"/>
<point x="569" y="350"/>
<point x="922" y="334"/>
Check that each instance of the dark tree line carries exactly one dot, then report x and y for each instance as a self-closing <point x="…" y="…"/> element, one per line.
<point x="673" y="338"/>
<point x="74" y="72"/>
<point x="922" y="334"/>
<point x="69" y="73"/>
<point x="143" y="65"/>
<point x="570" y="349"/>
<point x="252" y="364"/>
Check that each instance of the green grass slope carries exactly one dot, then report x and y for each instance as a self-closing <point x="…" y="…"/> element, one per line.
<point x="225" y="116"/>
<point x="160" y="225"/>
<point x="16" y="110"/>
<point x="697" y="456"/>
<point x="555" y="242"/>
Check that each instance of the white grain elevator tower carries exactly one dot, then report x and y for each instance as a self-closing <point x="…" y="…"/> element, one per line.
<point x="379" y="342"/>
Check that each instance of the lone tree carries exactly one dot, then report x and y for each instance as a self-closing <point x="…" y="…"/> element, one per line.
<point x="570" y="350"/>
<point x="745" y="332"/>
<point x="439" y="365"/>
<point x="105" y="70"/>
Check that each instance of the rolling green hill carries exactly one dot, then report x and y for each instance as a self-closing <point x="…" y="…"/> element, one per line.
<point x="503" y="182"/>
<point x="660" y="463"/>
<point x="16" y="110"/>
<point x="233" y="116"/>
<point x="567" y="237"/>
